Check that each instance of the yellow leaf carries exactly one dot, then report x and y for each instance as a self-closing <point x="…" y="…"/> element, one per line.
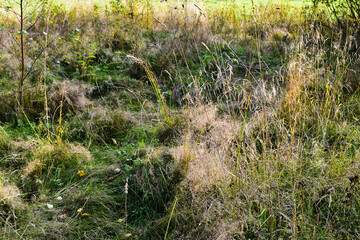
<point x="86" y="214"/>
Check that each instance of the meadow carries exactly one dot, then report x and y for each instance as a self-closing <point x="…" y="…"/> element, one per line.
<point x="207" y="3"/>
<point x="170" y="120"/>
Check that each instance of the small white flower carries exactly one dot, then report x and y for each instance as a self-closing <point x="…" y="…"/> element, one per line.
<point x="59" y="198"/>
<point x="126" y="186"/>
<point x="50" y="206"/>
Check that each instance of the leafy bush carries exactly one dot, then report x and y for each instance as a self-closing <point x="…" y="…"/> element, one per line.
<point x="342" y="10"/>
<point x="347" y="15"/>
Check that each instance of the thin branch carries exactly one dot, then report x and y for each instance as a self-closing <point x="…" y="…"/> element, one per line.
<point x="40" y="4"/>
<point x="162" y="24"/>
<point x="201" y="12"/>
<point x="38" y="57"/>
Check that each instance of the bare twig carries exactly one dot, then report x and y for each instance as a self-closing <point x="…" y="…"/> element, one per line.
<point x="162" y="24"/>
<point x="201" y="11"/>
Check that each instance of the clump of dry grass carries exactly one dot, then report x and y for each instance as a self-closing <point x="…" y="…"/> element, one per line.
<point x="61" y="99"/>
<point x="48" y="155"/>
<point x="156" y="177"/>
<point x="201" y="158"/>
<point x="10" y="195"/>
<point x="11" y="203"/>
<point x="36" y="158"/>
<point x="207" y="137"/>
<point x="66" y="97"/>
<point x="108" y="126"/>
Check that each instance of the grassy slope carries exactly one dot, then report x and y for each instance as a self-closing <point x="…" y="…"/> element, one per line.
<point x="233" y="128"/>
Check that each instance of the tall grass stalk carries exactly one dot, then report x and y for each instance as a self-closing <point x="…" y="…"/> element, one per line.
<point x="170" y="217"/>
<point x="156" y="88"/>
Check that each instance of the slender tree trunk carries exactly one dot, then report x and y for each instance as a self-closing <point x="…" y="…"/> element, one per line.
<point x="22" y="78"/>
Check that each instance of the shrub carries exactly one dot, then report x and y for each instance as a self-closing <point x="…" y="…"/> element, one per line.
<point x="347" y="15"/>
<point x="342" y="10"/>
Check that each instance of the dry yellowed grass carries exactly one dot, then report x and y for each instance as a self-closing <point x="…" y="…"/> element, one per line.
<point x="10" y="195"/>
<point x="269" y="153"/>
<point x="43" y="154"/>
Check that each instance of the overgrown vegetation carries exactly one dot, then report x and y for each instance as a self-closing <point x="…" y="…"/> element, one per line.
<point x="170" y="120"/>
